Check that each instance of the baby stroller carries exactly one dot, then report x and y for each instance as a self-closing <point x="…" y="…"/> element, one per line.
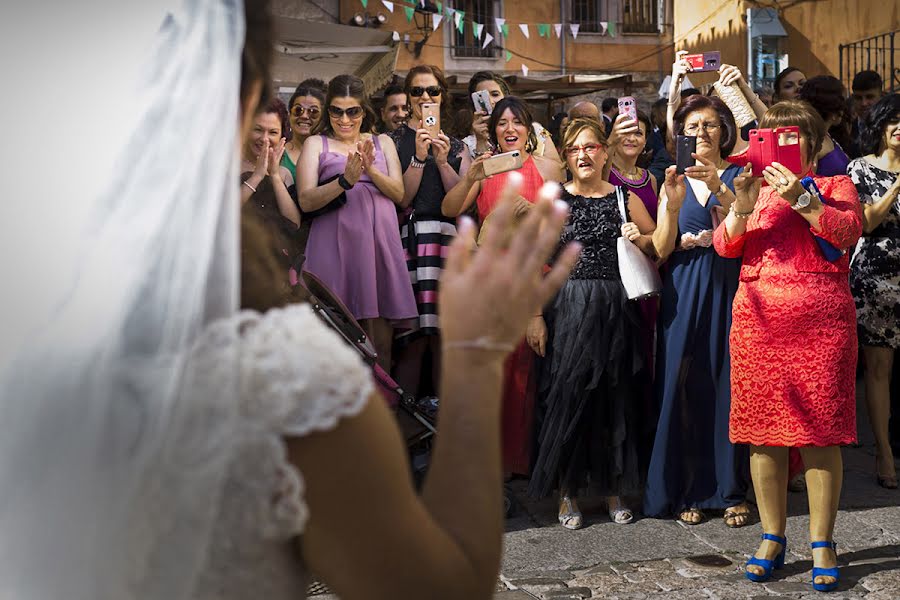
<point x="416" y="424"/>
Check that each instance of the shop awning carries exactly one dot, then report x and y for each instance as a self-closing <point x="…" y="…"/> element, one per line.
<point x="765" y="22"/>
<point x="316" y="49"/>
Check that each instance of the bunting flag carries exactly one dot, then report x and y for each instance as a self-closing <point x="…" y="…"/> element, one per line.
<point x="477" y="28"/>
<point x="451" y="12"/>
<point x="544" y="30"/>
<point x="574" y="27"/>
<point x="502" y="29"/>
<point x="460" y="20"/>
<point x="558" y="28"/>
<point x="488" y="38"/>
<point x="612" y="29"/>
<point x="440" y="7"/>
<point x="435" y="21"/>
<point x="508" y="56"/>
<point x="410" y="11"/>
<point x="396" y="36"/>
<point x="388" y="5"/>
<point x="524" y="28"/>
<point x="524" y="69"/>
<point x="365" y="3"/>
<point x="603" y="26"/>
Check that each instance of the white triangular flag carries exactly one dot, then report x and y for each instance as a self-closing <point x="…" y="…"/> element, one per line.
<point x="435" y="21"/>
<point x="388" y="5"/>
<point x="478" y="29"/>
<point x="456" y="18"/>
<point x="574" y="27"/>
<point x="525" y="70"/>
<point x="488" y="38"/>
<point x="396" y="37"/>
<point x="500" y="23"/>
<point x="524" y="28"/>
<point x="604" y="25"/>
<point x="451" y="12"/>
<point x="558" y="28"/>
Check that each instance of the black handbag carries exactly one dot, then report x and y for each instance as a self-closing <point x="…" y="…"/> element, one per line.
<point x="335" y="204"/>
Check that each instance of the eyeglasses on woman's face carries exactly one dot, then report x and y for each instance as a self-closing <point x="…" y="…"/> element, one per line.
<point x="589" y="149"/>
<point x="433" y="91"/>
<point x="354" y="112"/>
<point x="694" y="128"/>
<point x="299" y="110"/>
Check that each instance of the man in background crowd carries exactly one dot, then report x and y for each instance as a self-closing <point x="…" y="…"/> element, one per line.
<point x="395" y="111"/>
<point x="584" y="110"/>
<point x="610" y="108"/>
<point x="867" y="89"/>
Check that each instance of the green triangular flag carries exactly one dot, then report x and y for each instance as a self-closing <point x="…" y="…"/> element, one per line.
<point x="612" y="29"/>
<point x="410" y="11"/>
<point x="365" y="3"/>
<point x="544" y="30"/>
<point x="461" y="23"/>
<point x="508" y="56"/>
<point x="440" y="6"/>
<point x="505" y="29"/>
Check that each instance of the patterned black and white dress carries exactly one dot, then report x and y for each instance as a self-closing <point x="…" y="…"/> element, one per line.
<point x="875" y="272"/>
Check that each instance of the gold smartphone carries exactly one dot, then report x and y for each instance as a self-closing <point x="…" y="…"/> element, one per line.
<point x="431" y="119"/>
<point x="508" y="161"/>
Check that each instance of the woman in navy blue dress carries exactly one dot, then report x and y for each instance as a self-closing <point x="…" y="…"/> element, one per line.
<point x="694" y="466"/>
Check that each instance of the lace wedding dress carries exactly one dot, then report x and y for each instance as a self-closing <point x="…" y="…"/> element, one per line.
<point x="297" y="377"/>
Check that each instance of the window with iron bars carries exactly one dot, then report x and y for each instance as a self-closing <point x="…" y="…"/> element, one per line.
<point x="635" y="16"/>
<point x="465" y="45"/>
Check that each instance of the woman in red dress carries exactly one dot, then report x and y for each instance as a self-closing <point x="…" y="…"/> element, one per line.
<point x="793" y="339"/>
<point x="509" y="130"/>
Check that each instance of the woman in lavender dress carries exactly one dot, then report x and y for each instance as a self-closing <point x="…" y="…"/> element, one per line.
<point x="355" y="248"/>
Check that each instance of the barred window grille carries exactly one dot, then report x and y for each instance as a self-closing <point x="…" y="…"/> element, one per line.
<point x="635" y="16"/>
<point x="640" y="16"/>
<point x="465" y="44"/>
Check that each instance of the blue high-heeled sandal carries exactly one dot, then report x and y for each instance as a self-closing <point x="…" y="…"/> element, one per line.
<point x="767" y="565"/>
<point x="822" y="572"/>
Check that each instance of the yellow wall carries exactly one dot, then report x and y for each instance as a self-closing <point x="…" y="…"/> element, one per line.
<point x="706" y="25"/>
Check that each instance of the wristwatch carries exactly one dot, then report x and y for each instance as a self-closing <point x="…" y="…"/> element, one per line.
<point x="342" y="181"/>
<point x="803" y="201"/>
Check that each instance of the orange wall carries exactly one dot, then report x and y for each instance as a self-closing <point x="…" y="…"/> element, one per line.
<point x="705" y="25"/>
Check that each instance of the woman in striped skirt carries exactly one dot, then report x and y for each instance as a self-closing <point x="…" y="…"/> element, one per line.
<point x="431" y="166"/>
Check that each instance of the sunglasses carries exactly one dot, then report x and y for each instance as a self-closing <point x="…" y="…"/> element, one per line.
<point x="354" y="112"/>
<point x="432" y="90"/>
<point x="589" y="149"/>
<point x="299" y="109"/>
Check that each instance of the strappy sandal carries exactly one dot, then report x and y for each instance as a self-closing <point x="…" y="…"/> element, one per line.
<point x="832" y="572"/>
<point x="889" y="482"/>
<point x="570" y="518"/>
<point x="620" y="513"/>
<point x="691" y="516"/>
<point x="735" y="517"/>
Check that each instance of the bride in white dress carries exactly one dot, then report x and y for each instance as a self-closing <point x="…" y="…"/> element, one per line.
<point x="160" y="444"/>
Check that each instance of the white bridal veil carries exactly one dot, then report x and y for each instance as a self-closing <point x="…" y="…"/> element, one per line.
<point x="115" y="440"/>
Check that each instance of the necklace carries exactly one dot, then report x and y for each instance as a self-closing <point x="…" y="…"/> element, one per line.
<point x="632" y="175"/>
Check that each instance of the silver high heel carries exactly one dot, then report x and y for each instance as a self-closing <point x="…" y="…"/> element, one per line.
<point x="571" y="518"/>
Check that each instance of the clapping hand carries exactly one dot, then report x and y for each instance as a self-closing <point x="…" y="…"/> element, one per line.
<point x="274" y="155"/>
<point x="504" y="278"/>
<point x="262" y="161"/>
<point x="366" y="149"/>
<point x="353" y="170"/>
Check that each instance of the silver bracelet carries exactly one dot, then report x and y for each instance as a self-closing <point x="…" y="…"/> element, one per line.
<point x="415" y="163"/>
<point x="481" y="343"/>
<point x="249" y="186"/>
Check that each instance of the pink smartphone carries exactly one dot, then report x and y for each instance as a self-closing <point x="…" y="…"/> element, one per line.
<point x="780" y="145"/>
<point x="627" y="106"/>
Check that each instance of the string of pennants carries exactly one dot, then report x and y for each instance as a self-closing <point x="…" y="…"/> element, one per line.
<point x="543" y="30"/>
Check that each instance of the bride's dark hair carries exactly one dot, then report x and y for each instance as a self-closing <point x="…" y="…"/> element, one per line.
<point x="257" y="57"/>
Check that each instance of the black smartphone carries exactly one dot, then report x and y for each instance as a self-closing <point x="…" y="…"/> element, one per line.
<point x="685" y="145"/>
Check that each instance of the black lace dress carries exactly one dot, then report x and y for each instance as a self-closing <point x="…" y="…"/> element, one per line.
<point x="589" y="417"/>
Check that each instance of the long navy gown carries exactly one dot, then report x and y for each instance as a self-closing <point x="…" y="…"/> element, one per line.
<point x="693" y="463"/>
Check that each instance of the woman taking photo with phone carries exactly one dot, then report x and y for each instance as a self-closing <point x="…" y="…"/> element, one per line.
<point x="495" y="87"/>
<point x="590" y="423"/>
<point x="793" y="340"/>
<point x="431" y="165"/>
<point x="694" y="466"/>
<point x="875" y="273"/>
<point x="354" y="247"/>
<point x="510" y="131"/>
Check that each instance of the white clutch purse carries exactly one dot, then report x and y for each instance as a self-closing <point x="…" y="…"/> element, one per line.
<point x="639" y="274"/>
<point x="733" y="98"/>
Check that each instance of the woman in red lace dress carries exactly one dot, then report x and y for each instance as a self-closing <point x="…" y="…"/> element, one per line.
<point x="793" y="339"/>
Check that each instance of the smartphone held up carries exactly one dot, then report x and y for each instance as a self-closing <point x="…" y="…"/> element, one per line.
<point x="781" y="145"/>
<point x="431" y="118"/>
<point x="501" y="163"/>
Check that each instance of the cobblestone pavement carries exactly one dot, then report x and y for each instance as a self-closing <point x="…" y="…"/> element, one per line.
<point x="656" y="559"/>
